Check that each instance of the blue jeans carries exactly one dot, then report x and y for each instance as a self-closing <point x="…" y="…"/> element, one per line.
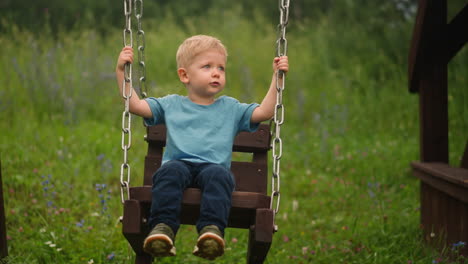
<point x="169" y="182"/>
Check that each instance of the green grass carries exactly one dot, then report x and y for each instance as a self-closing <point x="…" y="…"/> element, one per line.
<point x="351" y="131"/>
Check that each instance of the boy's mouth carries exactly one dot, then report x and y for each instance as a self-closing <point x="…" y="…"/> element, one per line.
<point x="214" y="83"/>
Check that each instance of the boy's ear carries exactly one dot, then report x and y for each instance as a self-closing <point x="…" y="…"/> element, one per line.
<point x="183" y="75"/>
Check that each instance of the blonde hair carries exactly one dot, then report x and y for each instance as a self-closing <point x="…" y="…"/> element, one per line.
<point x="195" y="45"/>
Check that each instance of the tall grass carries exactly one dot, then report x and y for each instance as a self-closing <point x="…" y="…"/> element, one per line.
<point x="351" y="130"/>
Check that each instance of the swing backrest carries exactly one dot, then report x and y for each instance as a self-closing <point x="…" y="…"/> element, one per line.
<point x="251" y="176"/>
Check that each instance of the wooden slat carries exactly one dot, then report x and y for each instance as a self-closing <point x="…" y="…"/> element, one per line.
<point x="450" y="180"/>
<point x="240" y="200"/>
<point x="457" y="33"/>
<point x="252" y="142"/>
<point x="242" y="215"/>
<point x="244" y="141"/>
<point x="152" y="163"/>
<point x="156" y="134"/>
<point x="3" y="233"/>
<point x="250" y="177"/>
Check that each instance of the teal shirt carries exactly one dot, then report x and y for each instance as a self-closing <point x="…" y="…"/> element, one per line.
<point x="200" y="133"/>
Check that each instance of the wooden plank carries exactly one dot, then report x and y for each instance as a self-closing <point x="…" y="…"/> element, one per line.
<point x="152" y="163"/>
<point x="252" y="142"/>
<point x="244" y="141"/>
<point x="457" y="33"/>
<point x="458" y="176"/>
<point x="156" y="134"/>
<point x="240" y="200"/>
<point x="3" y="233"/>
<point x="250" y="177"/>
<point x="444" y="181"/>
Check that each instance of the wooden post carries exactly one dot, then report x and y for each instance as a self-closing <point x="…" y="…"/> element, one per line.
<point x="3" y="239"/>
<point x="433" y="96"/>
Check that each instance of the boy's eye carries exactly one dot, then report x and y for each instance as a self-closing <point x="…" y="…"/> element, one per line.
<point x="221" y="68"/>
<point x="206" y="66"/>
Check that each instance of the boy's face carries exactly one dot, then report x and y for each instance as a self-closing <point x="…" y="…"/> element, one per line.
<point x="205" y="77"/>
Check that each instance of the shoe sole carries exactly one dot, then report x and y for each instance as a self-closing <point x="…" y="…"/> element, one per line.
<point x="159" y="245"/>
<point x="209" y="246"/>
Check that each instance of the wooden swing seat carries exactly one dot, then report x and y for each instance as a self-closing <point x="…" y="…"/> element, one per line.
<point x="250" y="202"/>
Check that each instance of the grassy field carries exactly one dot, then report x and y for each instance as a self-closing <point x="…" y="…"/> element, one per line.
<point x="351" y="131"/>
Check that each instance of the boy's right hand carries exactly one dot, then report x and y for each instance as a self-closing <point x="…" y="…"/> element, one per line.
<point x="126" y="55"/>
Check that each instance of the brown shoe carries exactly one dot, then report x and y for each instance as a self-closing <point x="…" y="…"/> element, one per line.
<point x="210" y="243"/>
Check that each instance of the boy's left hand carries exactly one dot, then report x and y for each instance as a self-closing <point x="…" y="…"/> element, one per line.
<point x="281" y="63"/>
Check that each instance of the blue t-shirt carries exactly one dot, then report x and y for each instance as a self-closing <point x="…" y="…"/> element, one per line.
<point x="200" y="133"/>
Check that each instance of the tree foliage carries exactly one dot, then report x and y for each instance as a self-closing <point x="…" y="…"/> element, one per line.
<point x="66" y="15"/>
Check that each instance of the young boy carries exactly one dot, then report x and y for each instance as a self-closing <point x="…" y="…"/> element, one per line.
<point x="200" y="133"/>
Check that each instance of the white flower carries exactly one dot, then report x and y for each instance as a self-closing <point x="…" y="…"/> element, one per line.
<point x="91" y="261"/>
<point x="295" y="205"/>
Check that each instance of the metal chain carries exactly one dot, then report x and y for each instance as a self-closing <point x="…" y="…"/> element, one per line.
<point x="125" y="171"/>
<point x="126" y="116"/>
<point x="277" y="143"/>
<point x="141" y="50"/>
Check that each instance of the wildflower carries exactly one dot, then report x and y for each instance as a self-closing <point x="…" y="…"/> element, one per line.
<point x="59" y="249"/>
<point x="305" y="250"/>
<point x="111" y="256"/>
<point x="285" y="238"/>
<point x="458" y="245"/>
<point x="91" y="261"/>
<point x="295" y="205"/>
<point x="80" y="223"/>
<point x="234" y="240"/>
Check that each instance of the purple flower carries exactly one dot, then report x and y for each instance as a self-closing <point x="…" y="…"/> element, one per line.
<point x="111" y="256"/>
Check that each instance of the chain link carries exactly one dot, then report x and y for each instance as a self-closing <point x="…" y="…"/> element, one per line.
<point x="278" y="120"/>
<point x="140" y="39"/>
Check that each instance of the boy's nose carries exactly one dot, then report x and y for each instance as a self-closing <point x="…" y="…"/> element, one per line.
<point x="215" y="72"/>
